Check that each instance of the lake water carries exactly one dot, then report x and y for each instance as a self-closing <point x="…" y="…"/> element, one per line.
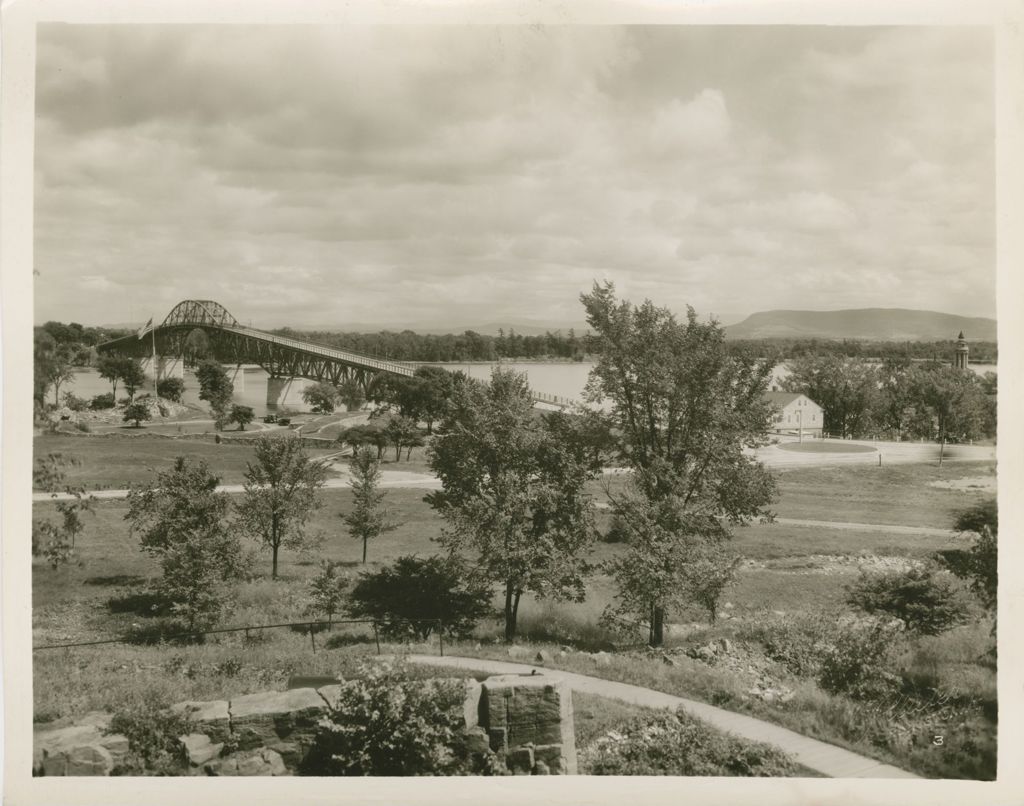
<point x="565" y="379"/>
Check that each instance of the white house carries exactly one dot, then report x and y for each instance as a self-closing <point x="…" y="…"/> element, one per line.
<point x="795" y="414"/>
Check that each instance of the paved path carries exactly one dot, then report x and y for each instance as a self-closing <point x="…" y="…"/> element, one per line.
<point x="893" y="529"/>
<point x="827" y="759"/>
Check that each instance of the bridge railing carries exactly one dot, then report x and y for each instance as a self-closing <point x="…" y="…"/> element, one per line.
<point x="328" y="352"/>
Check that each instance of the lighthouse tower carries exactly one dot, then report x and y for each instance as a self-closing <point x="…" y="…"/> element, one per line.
<point x="960" y="359"/>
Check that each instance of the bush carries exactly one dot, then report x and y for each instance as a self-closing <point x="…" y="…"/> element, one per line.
<point x="678" y="744"/>
<point x="171" y="389"/>
<point x="100" y="402"/>
<point x="924" y="598"/>
<point x="797" y="642"/>
<point x="858" y="659"/>
<point x="152" y="730"/>
<point x="75" y="403"/>
<point x="413" y="596"/>
<point x="386" y="724"/>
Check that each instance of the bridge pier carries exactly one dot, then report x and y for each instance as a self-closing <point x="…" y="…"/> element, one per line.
<point x="167" y="366"/>
<point x="286" y="391"/>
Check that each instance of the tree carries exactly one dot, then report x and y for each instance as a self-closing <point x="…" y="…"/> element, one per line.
<point x="136" y="412"/>
<point x="183" y="521"/>
<point x="681" y="411"/>
<point x="52" y="366"/>
<point x="513" y="493"/>
<point x="980" y="563"/>
<point x="954" y="401"/>
<point x="351" y="395"/>
<point x="171" y="389"/>
<point x="369" y="517"/>
<point x="280" y="494"/>
<point x="921" y="597"/>
<point x="111" y="368"/>
<point x="845" y="388"/>
<point x="401" y="432"/>
<point x="414" y="597"/>
<point x="132" y="376"/>
<point x="50" y="475"/>
<point x="216" y="388"/>
<point x="323" y="397"/>
<point x="326" y="591"/>
<point x="243" y="415"/>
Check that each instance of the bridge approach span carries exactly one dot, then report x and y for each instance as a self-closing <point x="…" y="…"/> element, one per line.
<point x="229" y="342"/>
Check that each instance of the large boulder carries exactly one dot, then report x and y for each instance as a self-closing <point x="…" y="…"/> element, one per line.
<point x="211" y="718"/>
<point x="260" y="762"/>
<point x="283" y="721"/>
<point x="78" y="750"/>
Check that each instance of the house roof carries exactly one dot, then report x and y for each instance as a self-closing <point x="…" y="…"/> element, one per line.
<point x="782" y="398"/>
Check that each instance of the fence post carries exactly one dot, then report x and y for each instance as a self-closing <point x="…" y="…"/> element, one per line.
<point x="440" y="635"/>
<point x="312" y="638"/>
<point x="376" y="637"/>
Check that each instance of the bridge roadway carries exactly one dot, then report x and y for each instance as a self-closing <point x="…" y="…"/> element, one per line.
<point x="282" y="357"/>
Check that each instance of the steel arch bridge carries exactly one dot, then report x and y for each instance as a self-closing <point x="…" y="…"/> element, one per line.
<point x="231" y="343"/>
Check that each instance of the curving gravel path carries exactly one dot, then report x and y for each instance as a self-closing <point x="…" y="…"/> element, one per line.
<point x="822" y="757"/>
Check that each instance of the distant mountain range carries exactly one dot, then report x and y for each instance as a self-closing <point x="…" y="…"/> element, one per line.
<point x="875" y="324"/>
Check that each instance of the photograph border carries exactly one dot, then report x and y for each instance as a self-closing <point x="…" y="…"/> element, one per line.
<point x="17" y="106"/>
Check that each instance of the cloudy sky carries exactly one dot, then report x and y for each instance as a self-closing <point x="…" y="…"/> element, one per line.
<point x="453" y="176"/>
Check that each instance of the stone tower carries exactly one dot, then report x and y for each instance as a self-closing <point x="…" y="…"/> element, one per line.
<point x="960" y="359"/>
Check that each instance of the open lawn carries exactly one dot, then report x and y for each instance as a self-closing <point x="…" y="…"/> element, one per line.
<point x="789" y="568"/>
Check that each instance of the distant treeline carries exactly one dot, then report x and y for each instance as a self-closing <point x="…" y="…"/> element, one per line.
<point x="982" y="352"/>
<point x="472" y="346"/>
<point x="468" y="346"/>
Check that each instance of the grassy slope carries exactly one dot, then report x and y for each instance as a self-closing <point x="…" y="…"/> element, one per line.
<point x="72" y="603"/>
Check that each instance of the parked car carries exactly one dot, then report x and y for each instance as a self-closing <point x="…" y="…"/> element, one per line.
<point x="270" y="418"/>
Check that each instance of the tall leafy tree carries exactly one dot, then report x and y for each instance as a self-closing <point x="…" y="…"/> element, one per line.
<point x="111" y="368"/>
<point x="50" y="475"/>
<point x="280" y="494"/>
<point x="53" y="366"/>
<point x="683" y="413"/>
<point x="183" y="521"/>
<point x="132" y="376"/>
<point x="216" y="388"/>
<point x="323" y="397"/>
<point x="954" y="401"/>
<point x="513" y="492"/>
<point x="845" y="388"/>
<point x="368" y="517"/>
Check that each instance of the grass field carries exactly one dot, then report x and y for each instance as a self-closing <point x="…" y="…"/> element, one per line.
<point x="789" y="568"/>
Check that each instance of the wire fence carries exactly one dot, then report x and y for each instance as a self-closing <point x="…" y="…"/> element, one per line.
<point x="312" y="627"/>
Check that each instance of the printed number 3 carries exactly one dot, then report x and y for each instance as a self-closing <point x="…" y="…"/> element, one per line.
<point x="938" y="741"/>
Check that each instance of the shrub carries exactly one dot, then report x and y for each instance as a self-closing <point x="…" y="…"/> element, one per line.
<point x="100" y="402"/>
<point x="678" y="744"/>
<point x="386" y="724"/>
<point x="858" y="659"/>
<point x="171" y="389"/>
<point x="923" y="598"/>
<point x="797" y="642"/>
<point x="136" y="413"/>
<point x="408" y="596"/>
<point x="617" y="532"/>
<point x="152" y="730"/>
<point x="75" y="403"/>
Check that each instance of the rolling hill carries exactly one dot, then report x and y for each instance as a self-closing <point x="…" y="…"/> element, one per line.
<point x="876" y="324"/>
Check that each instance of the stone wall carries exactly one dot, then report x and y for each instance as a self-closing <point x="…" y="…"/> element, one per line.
<point x="527" y="720"/>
